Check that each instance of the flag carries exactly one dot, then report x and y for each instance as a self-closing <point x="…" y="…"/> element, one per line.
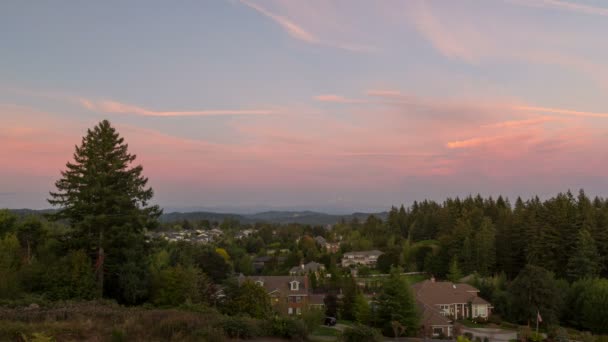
<point x="538" y="317"/>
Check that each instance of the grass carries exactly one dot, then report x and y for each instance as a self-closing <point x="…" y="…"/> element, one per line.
<point x="416" y="278"/>
<point x="347" y="323"/>
<point x="322" y="330"/>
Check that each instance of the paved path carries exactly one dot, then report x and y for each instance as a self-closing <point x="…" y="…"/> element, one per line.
<point x="493" y="334"/>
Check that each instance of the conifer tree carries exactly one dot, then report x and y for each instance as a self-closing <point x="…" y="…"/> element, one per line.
<point x="105" y="199"/>
<point x="454" y="274"/>
<point x="585" y="260"/>
<point x="396" y="303"/>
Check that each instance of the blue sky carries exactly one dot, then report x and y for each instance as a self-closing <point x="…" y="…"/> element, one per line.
<point x="337" y="105"/>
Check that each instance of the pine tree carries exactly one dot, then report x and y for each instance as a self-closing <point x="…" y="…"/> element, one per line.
<point x="396" y="303"/>
<point x="454" y="274"/>
<point x="485" y="248"/>
<point x="105" y="200"/>
<point x="585" y="260"/>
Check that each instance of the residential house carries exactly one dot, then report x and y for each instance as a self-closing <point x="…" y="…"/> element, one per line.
<point x="330" y="247"/>
<point x="304" y="269"/>
<point x="261" y="262"/>
<point x="366" y="258"/>
<point x="288" y="294"/>
<point x="442" y="302"/>
<point x="244" y="233"/>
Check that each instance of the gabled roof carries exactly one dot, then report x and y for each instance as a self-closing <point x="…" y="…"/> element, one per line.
<point x="364" y="253"/>
<point x="310" y="267"/>
<point x="432" y="292"/>
<point x="279" y="284"/>
<point x="431" y="316"/>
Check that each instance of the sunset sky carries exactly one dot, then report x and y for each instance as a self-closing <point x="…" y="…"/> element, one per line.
<point x="327" y="105"/>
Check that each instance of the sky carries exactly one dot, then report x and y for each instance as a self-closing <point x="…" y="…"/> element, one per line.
<point x="338" y="106"/>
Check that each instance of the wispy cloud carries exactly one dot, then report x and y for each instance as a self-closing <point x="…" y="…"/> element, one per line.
<point x="384" y="93"/>
<point x="521" y="123"/>
<point x="563" y="5"/>
<point x="561" y="111"/>
<point x="337" y="99"/>
<point x="300" y="33"/>
<point x="110" y="106"/>
<point x="290" y="27"/>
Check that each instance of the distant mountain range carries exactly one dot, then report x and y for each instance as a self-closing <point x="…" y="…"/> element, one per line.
<point x="281" y="217"/>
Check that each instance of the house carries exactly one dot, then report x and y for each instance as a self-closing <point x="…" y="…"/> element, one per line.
<point x="288" y="294"/>
<point x="320" y="240"/>
<point x="366" y="258"/>
<point x="330" y="247"/>
<point x="244" y="233"/>
<point x="442" y="302"/>
<point x="305" y="269"/>
<point x="261" y="262"/>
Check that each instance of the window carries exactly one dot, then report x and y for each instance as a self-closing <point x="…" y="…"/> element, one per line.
<point x="295" y="285"/>
<point x="298" y="311"/>
<point x="437" y="331"/>
<point x="290" y="311"/>
<point x="481" y="310"/>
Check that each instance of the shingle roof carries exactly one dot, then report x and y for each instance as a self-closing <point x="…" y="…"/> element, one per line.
<point x="280" y="284"/>
<point x="444" y="292"/>
<point x="431" y="316"/>
<point x="364" y="253"/>
<point x="310" y="267"/>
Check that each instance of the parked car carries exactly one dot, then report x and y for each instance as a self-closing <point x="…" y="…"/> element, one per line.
<point x="330" y="321"/>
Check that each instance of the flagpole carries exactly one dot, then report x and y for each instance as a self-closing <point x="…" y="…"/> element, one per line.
<point x="537" y="314"/>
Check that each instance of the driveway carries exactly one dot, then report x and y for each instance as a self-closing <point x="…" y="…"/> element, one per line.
<point x="493" y="334"/>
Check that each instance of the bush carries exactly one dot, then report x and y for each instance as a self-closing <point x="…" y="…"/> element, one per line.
<point x="361" y="333"/>
<point x="292" y="329"/>
<point x="210" y="334"/>
<point x="239" y="327"/>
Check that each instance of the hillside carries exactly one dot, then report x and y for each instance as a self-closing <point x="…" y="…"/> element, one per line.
<point x="281" y="217"/>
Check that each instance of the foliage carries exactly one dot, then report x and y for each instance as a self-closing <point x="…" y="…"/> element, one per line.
<point x="585" y="261"/>
<point x="105" y="200"/>
<point x="396" y="303"/>
<point x="247" y="298"/>
<point x="361" y="333"/>
<point x="535" y="290"/>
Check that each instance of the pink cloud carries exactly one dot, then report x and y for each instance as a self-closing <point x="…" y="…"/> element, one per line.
<point x="561" y="111"/>
<point x="292" y="29"/>
<point x="337" y="99"/>
<point x="521" y="123"/>
<point x="563" y="5"/>
<point x="110" y="106"/>
<point x="314" y="17"/>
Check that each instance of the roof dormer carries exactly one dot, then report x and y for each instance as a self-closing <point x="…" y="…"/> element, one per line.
<point x="294" y="285"/>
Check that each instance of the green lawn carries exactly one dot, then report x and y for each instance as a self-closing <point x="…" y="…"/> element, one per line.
<point x="322" y="330"/>
<point x="416" y="278"/>
<point x="349" y="323"/>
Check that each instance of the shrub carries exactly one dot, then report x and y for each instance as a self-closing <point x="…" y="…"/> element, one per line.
<point x="239" y="327"/>
<point x="361" y="333"/>
<point x="293" y="329"/>
<point x="210" y="334"/>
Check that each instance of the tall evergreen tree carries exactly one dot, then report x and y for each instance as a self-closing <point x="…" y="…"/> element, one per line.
<point x="536" y="290"/>
<point x="396" y="303"/>
<point x="485" y="248"/>
<point x="454" y="274"/>
<point x="585" y="259"/>
<point x="105" y="199"/>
